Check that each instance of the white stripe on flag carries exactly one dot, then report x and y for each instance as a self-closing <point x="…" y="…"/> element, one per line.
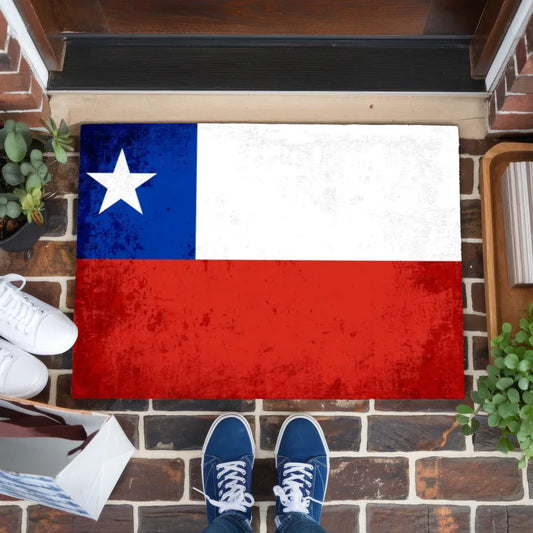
<point x="328" y="192"/>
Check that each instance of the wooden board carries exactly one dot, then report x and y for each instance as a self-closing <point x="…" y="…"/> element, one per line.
<point x="259" y="17"/>
<point x="504" y="304"/>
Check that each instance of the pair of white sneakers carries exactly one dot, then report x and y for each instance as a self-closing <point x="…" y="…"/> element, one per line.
<point x="28" y="325"/>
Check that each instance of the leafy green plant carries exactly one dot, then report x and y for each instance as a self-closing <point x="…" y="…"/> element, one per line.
<point x="505" y="394"/>
<point x="24" y="172"/>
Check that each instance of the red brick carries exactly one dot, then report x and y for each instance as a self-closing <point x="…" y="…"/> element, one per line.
<point x="3" y="30"/>
<point x="27" y="100"/>
<point x="10" y="519"/>
<point x="474" y="322"/>
<point x="173" y="518"/>
<point x="472" y="259"/>
<point x="478" y="297"/>
<point x="484" y="478"/>
<point x="520" y="54"/>
<point x="518" y="102"/>
<point x="510" y="519"/>
<point x="50" y="258"/>
<point x="500" y="92"/>
<point x="516" y="83"/>
<point x="341" y="432"/>
<point x="65" y="175"/>
<point x="130" y="425"/>
<point x="528" y="67"/>
<point x="150" y="479"/>
<point x="71" y="286"/>
<point x="413" y="433"/>
<point x="16" y="81"/>
<point x="368" y="478"/>
<point x="47" y="291"/>
<point x="13" y="53"/>
<point x="467" y="175"/>
<point x="31" y="118"/>
<point x="56" y="217"/>
<point x="471" y="219"/>
<point x="475" y="146"/>
<point x="512" y="121"/>
<point x="114" y="518"/>
<point x="352" y="406"/>
<point x="480" y="352"/>
<point x="386" y="518"/>
<point x="178" y="432"/>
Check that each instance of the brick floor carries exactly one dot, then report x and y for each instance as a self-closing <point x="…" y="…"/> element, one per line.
<point x="396" y="465"/>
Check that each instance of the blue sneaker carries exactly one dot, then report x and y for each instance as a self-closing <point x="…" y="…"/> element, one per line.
<point x="303" y="465"/>
<point x="227" y="461"/>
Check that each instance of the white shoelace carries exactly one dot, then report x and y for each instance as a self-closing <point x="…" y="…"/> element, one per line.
<point x="294" y="491"/>
<point x="231" y="489"/>
<point x="15" y="308"/>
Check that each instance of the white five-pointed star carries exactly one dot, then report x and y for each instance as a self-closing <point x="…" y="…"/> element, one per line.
<point x="121" y="184"/>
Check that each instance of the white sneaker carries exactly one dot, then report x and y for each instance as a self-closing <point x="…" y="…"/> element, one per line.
<point x="21" y="374"/>
<point x="31" y="324"/>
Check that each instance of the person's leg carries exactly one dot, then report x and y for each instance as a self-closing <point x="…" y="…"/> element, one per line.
<point x="302" y="463"/>
<point x="227" y="461"/>
<point x="229" y="522"/>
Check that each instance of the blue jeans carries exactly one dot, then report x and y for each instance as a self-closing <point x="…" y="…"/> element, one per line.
<point x="234" y="522"/>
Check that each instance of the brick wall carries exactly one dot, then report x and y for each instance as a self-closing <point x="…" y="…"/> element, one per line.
<point x="511" y="104"/>
<point x="397" y="466"/>
<point x="21" y="96"/>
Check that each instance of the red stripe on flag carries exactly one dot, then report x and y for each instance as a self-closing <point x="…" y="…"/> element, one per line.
<point x="268" y="329"/>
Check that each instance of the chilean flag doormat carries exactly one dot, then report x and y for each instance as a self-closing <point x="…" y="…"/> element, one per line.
<point x="268" y="261"/>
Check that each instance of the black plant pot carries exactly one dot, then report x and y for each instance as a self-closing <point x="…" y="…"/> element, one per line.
<point x="23" y="239"/>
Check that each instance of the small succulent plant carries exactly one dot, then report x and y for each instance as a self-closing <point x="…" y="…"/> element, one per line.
<point x="24" y="173"/>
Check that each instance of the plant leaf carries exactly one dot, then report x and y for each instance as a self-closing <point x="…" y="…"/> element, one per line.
<point x="13" y="209"/>
<point x="493" y="419"/>
<point x="504" y="383"/>
<point x="36" y="157"/>
<point x="59" y="151"/>
<point x="15" y="147"/>
<point x="467" y="430"/>
<point x="22" y="128"/>
<point x="504" y="445"/>
<point x="12" y="174"/>
<point x="506" y="327"/>
<point x="461" y="419"/>
<point x="464" y="409"/>
<point x="513" y="395"/>
<point x="523" y="383"/>
<point x="511" y="361"/>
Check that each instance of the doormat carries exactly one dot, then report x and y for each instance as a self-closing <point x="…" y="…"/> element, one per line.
<point x="268" y="261"/>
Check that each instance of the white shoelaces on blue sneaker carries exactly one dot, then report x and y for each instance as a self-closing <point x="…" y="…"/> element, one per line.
<point x="17" y="310"/>
<point x="231" y="488"/>
<point x="292" y="493"/>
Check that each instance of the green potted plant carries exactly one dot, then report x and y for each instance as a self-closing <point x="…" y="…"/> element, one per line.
<point x="505" y="394"/>
<point x="23" y="178"/>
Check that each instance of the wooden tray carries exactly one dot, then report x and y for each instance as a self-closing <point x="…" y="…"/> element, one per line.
<point x="504" y="304"/>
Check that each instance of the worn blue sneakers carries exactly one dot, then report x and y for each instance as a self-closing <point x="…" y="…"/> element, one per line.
<point x="303" y="466"/>
<point x="227" y="461"/>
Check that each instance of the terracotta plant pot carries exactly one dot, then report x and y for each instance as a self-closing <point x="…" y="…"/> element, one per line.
<point x="23" y="239"/>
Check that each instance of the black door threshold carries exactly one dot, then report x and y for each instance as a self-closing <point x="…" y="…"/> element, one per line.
<point x="185" y="63"/>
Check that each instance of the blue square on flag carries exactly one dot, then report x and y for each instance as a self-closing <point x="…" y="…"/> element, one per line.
<point x="137" y="198"/>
